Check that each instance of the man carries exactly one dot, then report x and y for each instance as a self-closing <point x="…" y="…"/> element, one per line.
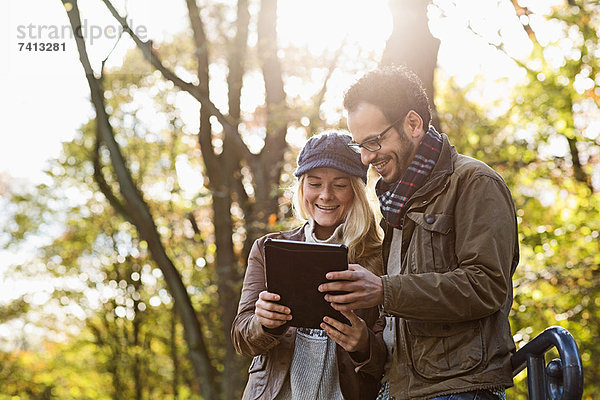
<point x="450" y="248"/>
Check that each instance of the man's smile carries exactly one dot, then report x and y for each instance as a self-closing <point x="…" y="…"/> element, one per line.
<point x="379" y="165"/>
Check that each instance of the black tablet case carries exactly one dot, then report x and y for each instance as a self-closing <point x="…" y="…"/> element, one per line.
<point x="294" y="270"/>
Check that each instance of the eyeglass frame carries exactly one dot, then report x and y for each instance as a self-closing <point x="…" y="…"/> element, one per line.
<point x="357" y="146"/>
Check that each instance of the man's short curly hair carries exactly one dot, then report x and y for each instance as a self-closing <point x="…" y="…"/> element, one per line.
<point x="394" y="90"/>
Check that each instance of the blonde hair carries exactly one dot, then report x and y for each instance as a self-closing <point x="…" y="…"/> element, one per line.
<point x="360" y="232"/>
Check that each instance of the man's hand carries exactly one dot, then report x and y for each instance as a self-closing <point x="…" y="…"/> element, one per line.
<point x="365" y="289"/>
<point x="268" y="313"/>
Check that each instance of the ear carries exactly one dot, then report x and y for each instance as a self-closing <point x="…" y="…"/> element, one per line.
<point x="413" y="124"/>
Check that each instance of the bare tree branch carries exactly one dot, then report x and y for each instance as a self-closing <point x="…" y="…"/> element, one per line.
<point x="211" y="161"/>
<point x="110" y="52"/>
<point x="578" y="172"/>
<point x="105" y="187"/>
<point x="237" y="59"/>
<point x="192" y="218"/>
<point x="520" y="10"/>
<point x="199" y="39"/>
<point x="229" y="127"/>
<point x="314" y="118"/>
<point x="272" y="73"/>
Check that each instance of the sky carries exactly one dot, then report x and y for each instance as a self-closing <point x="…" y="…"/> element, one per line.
<point x="45" y="95"/>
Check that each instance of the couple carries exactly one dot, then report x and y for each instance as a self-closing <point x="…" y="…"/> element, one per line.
<point x="428" y="307"/>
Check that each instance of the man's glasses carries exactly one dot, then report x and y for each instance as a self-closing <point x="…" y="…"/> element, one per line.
<point x="373" y="143"/>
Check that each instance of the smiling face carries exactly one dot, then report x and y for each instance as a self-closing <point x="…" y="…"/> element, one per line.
<point x="398" y="146"/>
<point x="327" y="196"/>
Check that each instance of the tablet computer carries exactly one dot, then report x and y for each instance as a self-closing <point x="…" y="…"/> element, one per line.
<point x="294" y="270"/>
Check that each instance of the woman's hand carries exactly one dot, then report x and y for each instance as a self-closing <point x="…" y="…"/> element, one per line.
<point x="268" y="313"/>
<point x="353" y="337"/>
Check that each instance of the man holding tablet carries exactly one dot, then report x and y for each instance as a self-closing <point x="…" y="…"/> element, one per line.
<point x="450" y="249"/>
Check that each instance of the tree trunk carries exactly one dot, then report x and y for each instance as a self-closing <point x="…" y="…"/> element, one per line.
<point x="266" y="168"/>
<point x="220" y="170"/>
<point x="412" y="44"/>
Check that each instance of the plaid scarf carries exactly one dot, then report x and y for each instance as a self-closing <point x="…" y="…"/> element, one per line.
<point x="393" y="196"/>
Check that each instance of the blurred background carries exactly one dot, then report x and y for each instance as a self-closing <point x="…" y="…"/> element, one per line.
<point x="142" y="158"/>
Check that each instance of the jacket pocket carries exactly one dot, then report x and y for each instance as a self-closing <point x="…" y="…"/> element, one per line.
<point x="257" y="379"/>
<point x="432" y="245"/>
<point x="444" y="350"/>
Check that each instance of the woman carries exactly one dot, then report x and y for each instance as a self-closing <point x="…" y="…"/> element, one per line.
<point x="339" y="360"/>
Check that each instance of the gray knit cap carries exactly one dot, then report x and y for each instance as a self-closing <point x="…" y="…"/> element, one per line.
<point x="330" y="150"/>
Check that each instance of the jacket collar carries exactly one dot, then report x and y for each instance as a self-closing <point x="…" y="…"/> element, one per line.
<point x="296" y="234"/>
<point x="443" y="168"/>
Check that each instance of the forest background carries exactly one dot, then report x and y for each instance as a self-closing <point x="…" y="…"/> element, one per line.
<point x="142" y="227"/>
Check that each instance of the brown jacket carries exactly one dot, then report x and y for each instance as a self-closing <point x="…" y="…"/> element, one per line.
<point x="273" y="352"/>
<point x="454" y="292"/>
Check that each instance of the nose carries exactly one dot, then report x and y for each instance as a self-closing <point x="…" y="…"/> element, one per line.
<point x="366" y="156"/>
<point x="326" y="193"/>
